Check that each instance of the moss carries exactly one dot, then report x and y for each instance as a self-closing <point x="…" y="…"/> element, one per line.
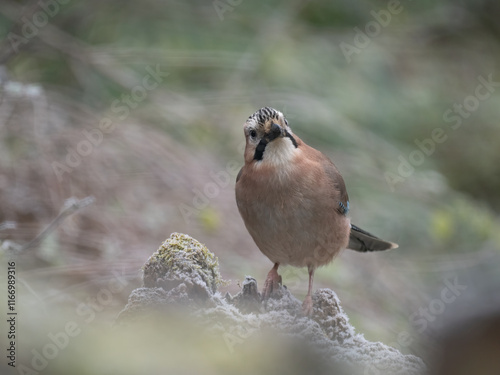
<point x="178" y="256"/>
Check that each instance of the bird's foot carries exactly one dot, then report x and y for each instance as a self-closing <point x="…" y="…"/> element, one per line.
<point x="307" y="306"/>
<point x="272" y="283"/>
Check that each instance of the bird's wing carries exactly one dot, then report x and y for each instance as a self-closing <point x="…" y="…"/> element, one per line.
<point x="339" y="190"/>
<point x="360" y="240"/>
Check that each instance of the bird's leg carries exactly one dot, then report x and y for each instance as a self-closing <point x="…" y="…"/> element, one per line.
<point x="307" y="305"/>
<point x="273" y="281"/>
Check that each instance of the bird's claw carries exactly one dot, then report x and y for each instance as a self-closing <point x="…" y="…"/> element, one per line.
<point x="272" y="283"/>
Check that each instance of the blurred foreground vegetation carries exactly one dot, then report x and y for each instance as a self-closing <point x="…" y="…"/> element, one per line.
<point x="405" y="114"/>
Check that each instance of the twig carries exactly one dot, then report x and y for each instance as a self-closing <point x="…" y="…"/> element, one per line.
<point x="70" y="207"/>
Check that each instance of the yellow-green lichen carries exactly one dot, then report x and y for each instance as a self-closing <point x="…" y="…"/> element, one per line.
<point x="181" y="255"/>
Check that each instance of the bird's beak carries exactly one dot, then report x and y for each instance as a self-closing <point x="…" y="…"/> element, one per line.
<point x="274" y="131"/>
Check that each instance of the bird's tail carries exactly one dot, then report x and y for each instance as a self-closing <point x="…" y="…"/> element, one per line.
<point x="360" y="240"/>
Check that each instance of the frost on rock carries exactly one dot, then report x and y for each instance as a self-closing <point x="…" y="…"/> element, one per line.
<point x="183" y="260"/>
<point x="184" y="273"/>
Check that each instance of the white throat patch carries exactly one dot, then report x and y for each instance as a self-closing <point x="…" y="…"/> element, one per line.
<point x="279" y="153"/>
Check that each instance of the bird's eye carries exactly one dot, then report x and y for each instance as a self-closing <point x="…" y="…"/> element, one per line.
<point x="253" y="133"/>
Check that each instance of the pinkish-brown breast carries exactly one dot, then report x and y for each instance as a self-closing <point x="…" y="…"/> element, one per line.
<point x="292" y="211"/>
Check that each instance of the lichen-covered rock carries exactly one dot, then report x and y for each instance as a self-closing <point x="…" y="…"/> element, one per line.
<point x="181" y="260"/>
<point x="183" y="271"/>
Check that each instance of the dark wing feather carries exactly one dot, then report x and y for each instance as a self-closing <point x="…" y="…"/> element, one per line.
<point x="339" y="189"/>
<point x="360" y="240"/>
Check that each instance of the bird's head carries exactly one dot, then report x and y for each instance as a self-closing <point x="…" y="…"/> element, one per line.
<point x="268" y="136"/>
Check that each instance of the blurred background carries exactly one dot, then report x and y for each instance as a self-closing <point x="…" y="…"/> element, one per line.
<point x="141" y="106"/>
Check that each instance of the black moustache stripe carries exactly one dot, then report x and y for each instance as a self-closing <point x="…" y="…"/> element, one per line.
<point x="259" y="150"/>
<point x="261" y="147"/>
<point x="292" y="139"/>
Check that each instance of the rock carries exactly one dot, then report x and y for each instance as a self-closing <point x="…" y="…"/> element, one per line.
<point x="248" y="300"/>
<point x="185" y="274"/>
<point x="181" y="260"/>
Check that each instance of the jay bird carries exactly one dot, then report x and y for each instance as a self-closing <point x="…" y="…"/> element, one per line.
<point x="294" y="202"/>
